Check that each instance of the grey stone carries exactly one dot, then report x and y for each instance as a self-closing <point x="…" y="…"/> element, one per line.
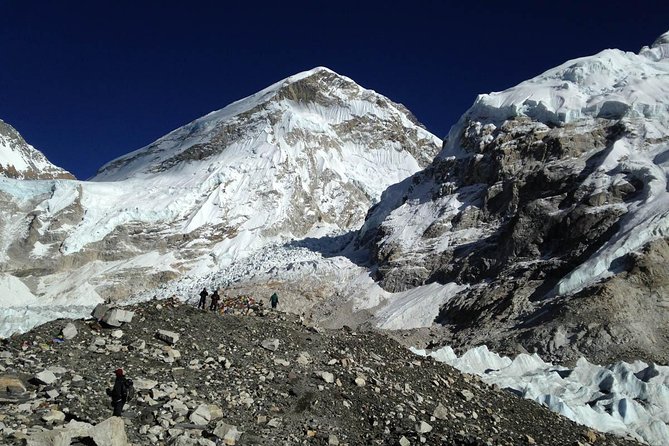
<point x="70" y="331"/>
<point x="467" y="394"/>
<point x="117" y="317"/>
<point x="270" y="344"/>
<point x="12" y="384"/>
<point x="227" y="432"/>
<point x="326" y="376"/>
<point x="440" y="412"/>
<point x="167" y="336"/>
<point x="144" y="384"/>
<point x="201" y="415"/>
<point x="53" y="416"/>
<point x="423" y="427"/>
<point x="111" y="432"/>
<point x="303" y="358"/>
<point x="46" y="377"/>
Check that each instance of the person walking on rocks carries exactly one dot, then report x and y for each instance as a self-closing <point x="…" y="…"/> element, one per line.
<point x="203" y="299"/>
<point x="120" y="392"/>
<point x="214" y="301"/>
<point x="274" y="300"/>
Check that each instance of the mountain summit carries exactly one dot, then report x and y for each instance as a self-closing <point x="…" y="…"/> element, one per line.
<point x="20" y="160"/>
<point x="313" y="111"/>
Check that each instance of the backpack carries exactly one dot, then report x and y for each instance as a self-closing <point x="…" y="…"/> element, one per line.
<point x="129" y="389"/>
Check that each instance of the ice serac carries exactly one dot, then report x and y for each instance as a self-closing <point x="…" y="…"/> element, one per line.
<point x="303" y="158"/>
<point x="549" y="201"/>
<point x="20" y="160"/>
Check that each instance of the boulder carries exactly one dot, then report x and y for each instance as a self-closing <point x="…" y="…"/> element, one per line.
<point x="117" y="317"/>
<point x="53" y="416"/>
<point x="63" y="435"/>
<point x="227" y="432"/>
<point x="100" y="310"/>
<point x="270" y="344"/>
<point x="440" y="412"/>
<point x="11" y="384"/>
<point x="423" y="427"/>
<point x="114" y="317"/>
<point x="326" y="376"/>
<point x="46" y="377"/>
<point x="70" y="331"/>
<point x="111" y="432"/>
<point x="303" y="358"/>
<point x="144" y="384"/>
<point x="167" y="336"/>
<point x="215" y="411"/>
<point x="201" y="415"/>
<point x="178" y="407"/>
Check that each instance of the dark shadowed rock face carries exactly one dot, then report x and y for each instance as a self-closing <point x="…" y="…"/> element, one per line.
<point x="518" y="211"/>
<point x="275" y="379"/>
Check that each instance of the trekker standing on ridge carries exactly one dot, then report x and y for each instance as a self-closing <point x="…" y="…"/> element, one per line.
<point x="214" y="301"/>
<point x="120" y="392"/>
<point x="203" y="299"/>
<point x="274" y="300"/>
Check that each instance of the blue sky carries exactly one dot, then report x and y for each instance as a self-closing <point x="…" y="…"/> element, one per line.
<point x="86" y="82"/>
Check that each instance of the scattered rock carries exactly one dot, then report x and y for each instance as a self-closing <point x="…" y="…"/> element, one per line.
<point x="167" y="336"/>
<point x="467" y="394"/>
<point x="326" y="376"/>
<point x="46" y="377"/>
<point x="270" y="344"/>
<point x="440" y="412"/>
<point x="221" y="375"/>
<point x="423" y="428"/>
<point x="70" y="331"/>
<point x="227" y="432"/>
<point x="11" y="384"/>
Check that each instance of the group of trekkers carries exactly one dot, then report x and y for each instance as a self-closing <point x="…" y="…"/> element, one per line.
<point x="216" y="298"/>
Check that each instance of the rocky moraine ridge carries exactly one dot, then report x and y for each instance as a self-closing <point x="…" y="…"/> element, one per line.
<point x="233" y="379"/>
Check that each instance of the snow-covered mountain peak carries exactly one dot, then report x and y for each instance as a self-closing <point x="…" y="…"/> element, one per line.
<point x="317" y="107"/>
<point x="20" y="160"/>
<point x="612" y="84"/>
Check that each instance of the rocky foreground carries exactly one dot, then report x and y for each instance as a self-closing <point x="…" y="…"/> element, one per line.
<point x="252" y="380"/>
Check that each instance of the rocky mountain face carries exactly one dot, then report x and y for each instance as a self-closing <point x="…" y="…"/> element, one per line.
<point x="20" y="160"/>
<point x="251" y="380"/>
<point x="304" y="157"/>
<point x="549" y="205"/>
